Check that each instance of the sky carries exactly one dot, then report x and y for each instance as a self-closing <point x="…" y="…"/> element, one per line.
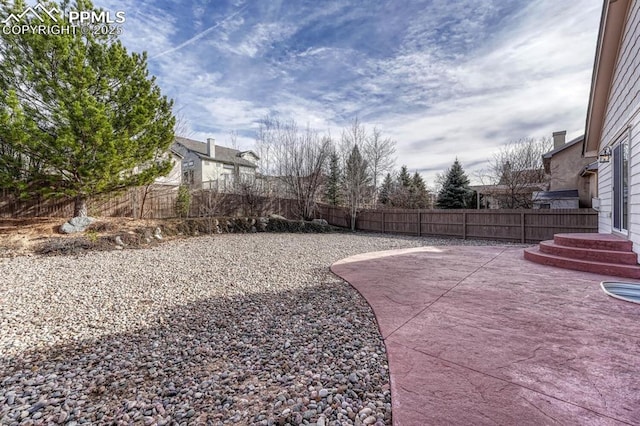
<point x="442" y="78"/>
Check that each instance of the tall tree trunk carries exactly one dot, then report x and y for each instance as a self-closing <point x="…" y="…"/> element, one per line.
<point x="80" y="206"/>
<point x="354" y="211"/>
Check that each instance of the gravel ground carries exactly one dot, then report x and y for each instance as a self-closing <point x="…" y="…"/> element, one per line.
<point x="231" y="329"/>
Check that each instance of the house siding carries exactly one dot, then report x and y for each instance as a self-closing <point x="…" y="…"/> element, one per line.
<point x="174" y="178"/>
<point x="605" y="185"/>
<point x="624" y="95"/>
<point x="190" y="157"/>
<point x="565" y="167"/>
<point x="621" y="120"/>
<point x="634" y="185"/>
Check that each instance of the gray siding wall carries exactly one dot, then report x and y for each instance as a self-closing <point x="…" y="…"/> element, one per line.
<point x="622" y="108"/>
<point x="625" y="89"/>
<point x="634" y="184"/>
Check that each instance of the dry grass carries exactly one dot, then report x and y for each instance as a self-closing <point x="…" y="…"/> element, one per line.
<point x="41" y="235"/>
<point x="20" y="237"/>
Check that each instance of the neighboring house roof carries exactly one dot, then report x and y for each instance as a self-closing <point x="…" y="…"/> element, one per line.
<point x="573" y="142"/>
<point x="222" y="154"/>
<point x="590" y="168"/>
<point x="555" y="195"/>
<point x="175" y="152"/>
<point x="505" y="189"/>
<point x="612" y="24"/>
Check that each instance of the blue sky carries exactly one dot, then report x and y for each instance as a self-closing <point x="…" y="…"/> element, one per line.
<point x="442" y="78"/>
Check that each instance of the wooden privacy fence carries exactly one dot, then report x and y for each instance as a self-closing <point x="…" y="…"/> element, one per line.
<point x="524" y="226"/>
<point x="156" y="202"/>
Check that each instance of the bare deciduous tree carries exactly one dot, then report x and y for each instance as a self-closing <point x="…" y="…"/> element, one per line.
<point x="181" y="126"/>
<point x="298" y="158"/>
<point x="517" y="170"/>
<point x="377" y="150"/>
<point x="355" y="134"/>
<point x="356" y="182"/>
<point x="379" y="153"/>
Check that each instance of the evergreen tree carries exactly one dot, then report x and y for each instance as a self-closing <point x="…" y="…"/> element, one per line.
<point x="79" y="115"/>
<point x="419" y="194"/>
<point x="386" y="190"/>
<point x="455" y="192"/>
<point x="332" y="193"/>
<point x="402" y="193"/>
<point x="404" y="179"/>
<point x="356" y="181"/>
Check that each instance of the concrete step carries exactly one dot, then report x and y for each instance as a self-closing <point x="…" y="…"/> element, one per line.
<point x="534" y="254"/>
<point x="605" y="256"/>
<point x="593" y="241"/>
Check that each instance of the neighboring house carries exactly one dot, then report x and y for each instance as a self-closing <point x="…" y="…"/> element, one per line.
<point x="504" y="196"/>
<point x="174" y="178"/>
<point x="569" y="185"/>
<point x="515" y="189"/>
<point x="613" y="120"/>
<point x="564" y="199"/>
<point x="206" y="165"/>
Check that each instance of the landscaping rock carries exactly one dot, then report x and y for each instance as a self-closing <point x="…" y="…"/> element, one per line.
<point x="157" y="234"/>
<point x="206" y="330"/>
<point x="320" y="222"/>
<point x="76" y="224"/>
<point x="277" y="216"/>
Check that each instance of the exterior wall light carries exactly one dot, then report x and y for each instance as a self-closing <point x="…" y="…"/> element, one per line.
<point x="605" y="155"/>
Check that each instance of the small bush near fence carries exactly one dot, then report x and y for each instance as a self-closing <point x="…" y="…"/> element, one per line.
<point x="522" y="225"/>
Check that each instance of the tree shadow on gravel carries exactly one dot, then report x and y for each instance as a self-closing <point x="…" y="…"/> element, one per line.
<point x="286" y="358"/>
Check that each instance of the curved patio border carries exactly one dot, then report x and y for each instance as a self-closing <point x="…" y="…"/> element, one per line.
<point x="477" y="335"/>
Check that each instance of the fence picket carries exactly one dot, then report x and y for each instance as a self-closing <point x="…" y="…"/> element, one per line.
<point x="525" y="226"/>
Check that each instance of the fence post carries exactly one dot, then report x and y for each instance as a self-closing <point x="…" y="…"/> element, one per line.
<point x="383" y="222"/>
<point x="464" y="225"/>
<point x="420" y="223"/>
<point x="522" y="230"/>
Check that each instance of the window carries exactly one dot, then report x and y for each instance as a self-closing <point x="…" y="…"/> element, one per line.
<point x="188" y="177"/>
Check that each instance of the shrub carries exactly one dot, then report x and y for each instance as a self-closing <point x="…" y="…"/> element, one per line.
<point x="183" y="201"/>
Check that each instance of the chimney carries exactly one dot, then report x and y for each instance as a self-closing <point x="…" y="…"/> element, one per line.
<point x="559" y="139"/>
<point x="211" y="147"/>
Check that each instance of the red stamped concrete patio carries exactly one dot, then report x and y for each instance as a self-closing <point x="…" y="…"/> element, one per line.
<point x="478" y="335"/>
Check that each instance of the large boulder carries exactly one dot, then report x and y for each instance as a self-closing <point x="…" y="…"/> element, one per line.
<point x="76" y="224"/>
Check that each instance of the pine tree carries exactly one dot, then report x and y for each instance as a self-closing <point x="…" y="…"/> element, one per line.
<point x="356" y="181"/>
<point x="455" y="192"/>
<point x="419" y="193"/>
<point x="332" y="193"/>
<point x="386" y="190"/>
<point x="79" y="112"/>
<point x="404" y="179"/>
<point x="402" y="193"/>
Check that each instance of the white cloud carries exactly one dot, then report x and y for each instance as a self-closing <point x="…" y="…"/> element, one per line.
<point x="461" y="79"/>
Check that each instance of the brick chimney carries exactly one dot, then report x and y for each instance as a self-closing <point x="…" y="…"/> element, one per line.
<point x="211" y="147"/>
<point x="559" y="139"/>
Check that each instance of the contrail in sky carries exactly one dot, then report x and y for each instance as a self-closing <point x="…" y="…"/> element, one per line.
<point x="200" y="35"/>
